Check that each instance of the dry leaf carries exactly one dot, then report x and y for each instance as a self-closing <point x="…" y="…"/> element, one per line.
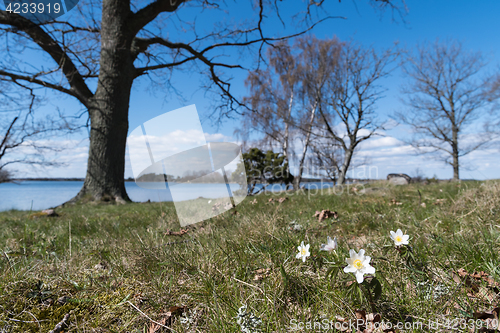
<point x="394" y="202"/>
<point x="281" y="200"/>
<point x="261" y="273"/>
<point x="423" y="204"/>
<point x="176" y="310"/>
<point x="253" y="202"/>
<point x="324" y="214"/>
<point x="478" y="276"/>
<point x="176" y="233"/>
<point x="439" y="201"/>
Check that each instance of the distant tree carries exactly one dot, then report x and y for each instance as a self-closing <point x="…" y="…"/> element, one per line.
<point x="22" y="134"/>
<point x="492" y="94"/>
<point x="318" y="60"/>
<point x="325" y="159"/>
<point x="261" y="168"/>
<point x="4" y="176"/>
<point x="285" y="96"/>
<point x="272" y="94"/>
<point x="445" y="98"/>
<point x="348" y="110"/>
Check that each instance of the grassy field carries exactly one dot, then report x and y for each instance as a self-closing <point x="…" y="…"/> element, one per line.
<point x="121" y="268"/>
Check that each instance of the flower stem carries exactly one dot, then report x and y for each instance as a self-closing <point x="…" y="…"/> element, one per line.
<point x="370" y="298"/>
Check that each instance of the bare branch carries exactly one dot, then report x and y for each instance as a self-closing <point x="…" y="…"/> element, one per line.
<point x="49" y="45"/>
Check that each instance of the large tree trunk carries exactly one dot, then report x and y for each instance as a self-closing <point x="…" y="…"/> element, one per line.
<point x="109" y="108"/>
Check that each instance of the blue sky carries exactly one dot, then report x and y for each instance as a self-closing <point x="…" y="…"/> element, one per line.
<point x="474" y="23"/>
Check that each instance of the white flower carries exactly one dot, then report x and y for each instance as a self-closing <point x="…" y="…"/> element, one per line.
<point x="399" y="238"/>
<point x="303" y="252"/>
<point x="359" y="264"/>
<point x="331" y="244"/>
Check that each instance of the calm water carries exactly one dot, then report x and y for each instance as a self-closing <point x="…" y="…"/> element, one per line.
<point x="39" y="195"/>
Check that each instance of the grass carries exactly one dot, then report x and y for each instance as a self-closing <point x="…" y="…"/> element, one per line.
<point x="124" y="266"/>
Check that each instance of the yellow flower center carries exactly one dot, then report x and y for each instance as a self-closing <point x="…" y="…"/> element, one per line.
<point x="399" y="239"/>
<point x="357" y="264"/>
<point x="303" y="252"/>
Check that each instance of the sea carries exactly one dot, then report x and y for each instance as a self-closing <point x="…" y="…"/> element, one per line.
<point x="38" y="195"/>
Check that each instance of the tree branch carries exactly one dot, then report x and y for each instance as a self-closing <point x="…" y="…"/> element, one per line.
<point x="49" y="45"/>
<point x="147" y="14"/>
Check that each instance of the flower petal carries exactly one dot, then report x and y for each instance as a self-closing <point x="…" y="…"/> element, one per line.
<point x="406" y="237"/>
<point x="359" y="277"/>
<point x="352" y="253"/>
<point x="361" y="253"/>
<point x="298" y="256"/>
<point x="369" y="270"/>
<point x="349" y="269"/>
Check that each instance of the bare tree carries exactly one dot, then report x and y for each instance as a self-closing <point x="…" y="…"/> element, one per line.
<point x="348" y="112"/>
<point x="492" y="94"/>
<point x="285" y="96"/>
<point x="273" y="92"/>
<point x="318" y="59"/>
<point x="445" y="99"/>
<point x="22" y="134"/>
<point x="103" y="47"/>
<point x="325" y="159"/>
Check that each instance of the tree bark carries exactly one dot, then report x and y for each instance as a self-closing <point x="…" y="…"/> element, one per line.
<point x="455" y="152"/>
<point x="108" y="108"/>
<point x="345" y="165"/>
<point x="298" y="178"/>
<point x="286" y="137"/>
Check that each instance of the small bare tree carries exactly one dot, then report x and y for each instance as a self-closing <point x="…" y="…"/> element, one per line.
<point x="325" y="159"/>
<point x="493" y="95"/>
<point x="348" y="112"/>
<point x="271" y="100"/>
<point x="284" y="98"/>
<point x="318" y="59"/>
<point x="444" y="99"/>
<point x="22" y="134"/>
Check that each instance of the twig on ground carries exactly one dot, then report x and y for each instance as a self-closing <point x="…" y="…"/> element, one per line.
<point x="62" y="323"/>
<point x="145" y="315"/>
<point x="251" y="285"/>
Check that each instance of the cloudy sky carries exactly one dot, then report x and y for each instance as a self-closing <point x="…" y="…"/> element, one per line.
<point x="475" y="24"/>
